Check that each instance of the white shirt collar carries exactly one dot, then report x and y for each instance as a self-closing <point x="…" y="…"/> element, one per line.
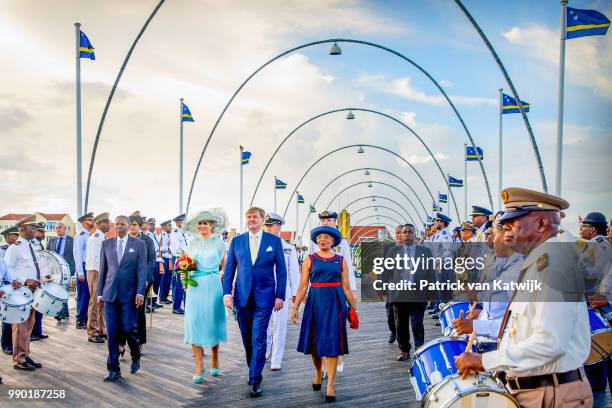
<point x="257" y="235"/>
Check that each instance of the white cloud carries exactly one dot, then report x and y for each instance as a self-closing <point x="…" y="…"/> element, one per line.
<point x="587" y="61"/>
<point x="403" y="87"/>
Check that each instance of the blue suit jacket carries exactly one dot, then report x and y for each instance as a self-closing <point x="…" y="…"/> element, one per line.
<point x="258" y="278"/>
<point x="122" y="282"/>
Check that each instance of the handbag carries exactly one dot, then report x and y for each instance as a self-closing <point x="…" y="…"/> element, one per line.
<point x="353" y="319"/>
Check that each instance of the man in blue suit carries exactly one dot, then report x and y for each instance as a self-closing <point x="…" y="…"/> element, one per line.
<point x="258" y="290"/>
<point x="121" y="286"/>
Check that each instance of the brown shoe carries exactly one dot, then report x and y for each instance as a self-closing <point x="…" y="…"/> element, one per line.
<point x="403" y="356"/>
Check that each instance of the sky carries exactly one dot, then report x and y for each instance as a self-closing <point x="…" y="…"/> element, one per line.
<point x="203" y="50"/>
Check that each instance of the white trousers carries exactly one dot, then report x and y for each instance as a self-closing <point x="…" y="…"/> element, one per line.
<point x="277" y="333"/>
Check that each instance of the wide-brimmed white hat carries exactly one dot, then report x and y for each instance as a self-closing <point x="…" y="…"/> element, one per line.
<point x="215" y="215"/>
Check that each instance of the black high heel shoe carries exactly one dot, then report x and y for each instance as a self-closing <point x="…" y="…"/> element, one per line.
<point x="330" y="398"/>
<point x="316" y="387"/>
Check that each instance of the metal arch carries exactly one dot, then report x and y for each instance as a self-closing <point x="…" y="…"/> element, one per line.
<point x="377" y="206"/>
<point x="374" y="147"/>
<point x="110" y="98"/>
<point x="381" y="216"/>
<point x="502" y="68"/>
<point x="357" y="184"/>
<point x="370" y="168"/>
<point x="356" y="110"/>
<point x="345" y="40"/>
<point x="377" y="196"/>
<point x="381" y="224"/>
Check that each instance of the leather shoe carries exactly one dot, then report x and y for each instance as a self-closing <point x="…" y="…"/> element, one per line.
<point x="34" y="338"/>
<point x="178" y="311"/>
<point x="96" y="339"/>
<point x="33" y="363"/>
<point x="8" y="352"/>
<point x="104" y="336"/>
<point x="24" y="366"/>
<point x="167" y="302"/>
<point x="81" y="326"/>
<point x="112" y="376"/>
<point x="403" y="356"/>
<point x="43" y="336"/>
<point x="256" y="390"/>
<point x="135" y="366"/>
<point x="157" y="306"/>
<point x="392" y="338"/>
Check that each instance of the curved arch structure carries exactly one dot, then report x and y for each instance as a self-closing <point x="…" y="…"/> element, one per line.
<point x="376" y="196"/>
<point x="502" y="68"/>
<point x="368" y="168"/>
<point x="358" y="184"/>
<point x="374" y="147"/>
<point x="354" y="110"/>
<point x="110" y="98"/>
<point x="377" y="206"/>
<point x="335" y="40"/>
<point x="381" y="216"/>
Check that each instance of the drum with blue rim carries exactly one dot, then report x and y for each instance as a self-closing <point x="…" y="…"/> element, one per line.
<point x="451" y="312"/>
<point x="601" y="338"/>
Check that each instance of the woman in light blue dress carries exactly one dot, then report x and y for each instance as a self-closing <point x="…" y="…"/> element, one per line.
<point x="204" y="310"/>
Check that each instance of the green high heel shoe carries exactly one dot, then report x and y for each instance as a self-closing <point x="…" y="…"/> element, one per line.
<point x="197" y="379"/>
<point x="215" y="372"/>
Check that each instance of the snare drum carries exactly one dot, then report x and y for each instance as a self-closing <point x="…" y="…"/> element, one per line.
<point x="476" y="391"/>
<point x="451" y="312"/>
<point x="484" y="344"/>
<point x="52" y="264"/>
<point x="49" y="299"/>
<point x="15" y="305"/>
<point x="601" y="338"/>
<point x="434" y="361"/>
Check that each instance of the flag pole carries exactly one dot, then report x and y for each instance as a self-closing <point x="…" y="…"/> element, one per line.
<point x="241" y="188"/>
<point x="448" y="196"/>
<point x="500" y="167"/>
<point x="79" y="140"/>
<point x="465" y="183"/>
<point x="274" y="193"/>
<point x="297" y="216"/>
<point x="559" y="164"/>
<point x="181" y="157"/>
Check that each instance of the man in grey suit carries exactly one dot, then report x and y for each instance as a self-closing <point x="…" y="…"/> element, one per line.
<point x="62" y="245"/>
<point x="121" y="288"/>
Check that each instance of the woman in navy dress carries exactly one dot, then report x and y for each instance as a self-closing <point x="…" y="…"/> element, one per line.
<point x="323" y="330"/>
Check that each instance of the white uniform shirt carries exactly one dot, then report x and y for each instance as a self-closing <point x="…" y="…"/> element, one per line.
<point x="94" y="249"/>
<point x="80" y="251"/>
<point x="178" y="242"/>
<point x="164" y="240"/>
<point x="344" y="250"/>
<point x="444" y="243"/>
<point x="4" y="274"/>
<point x="19" y="261"/>
<point x="479" y="235"/>
<point x="543" y="337"/>
<point x="293" y="269"/>
<point x="155" y="239"/>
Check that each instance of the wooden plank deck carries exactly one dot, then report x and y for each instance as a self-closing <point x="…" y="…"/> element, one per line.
<point x="371" y="376"/>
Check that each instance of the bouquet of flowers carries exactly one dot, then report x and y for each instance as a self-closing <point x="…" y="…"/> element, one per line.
<point x="185" y="264"/>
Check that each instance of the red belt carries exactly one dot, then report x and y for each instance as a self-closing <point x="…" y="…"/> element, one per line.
<point x="324" y="284"/>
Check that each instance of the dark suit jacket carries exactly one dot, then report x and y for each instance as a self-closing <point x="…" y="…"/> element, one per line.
<point x="422" y="273"/>
<point x="122" y="282"/>
<point x="258" y="277"/>
<point x="68" y="254"/>
<point x="150" y="247"/>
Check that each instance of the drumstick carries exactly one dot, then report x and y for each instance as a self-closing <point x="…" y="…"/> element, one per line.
<point x="473" y="307"/>
<point x="468" y="348"/>
<point x="460" y="315"/>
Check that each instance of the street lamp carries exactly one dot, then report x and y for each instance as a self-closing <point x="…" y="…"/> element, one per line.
<point x="335" y="50"/>
<point x="360" y="150"/>
<point x="367" y="172"/>
<point x="373" y="198"/>
<point x="350" y="115"/>
<point x="370" y="184"/>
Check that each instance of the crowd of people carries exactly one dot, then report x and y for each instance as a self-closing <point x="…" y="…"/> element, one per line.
<point x="263" y="280"/>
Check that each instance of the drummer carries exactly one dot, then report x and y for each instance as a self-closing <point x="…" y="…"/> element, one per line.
<point x="506" y="268"/>
<point x="22" y="264"/>
<point x="11" y="235"/>
<point x="542" y="343"/>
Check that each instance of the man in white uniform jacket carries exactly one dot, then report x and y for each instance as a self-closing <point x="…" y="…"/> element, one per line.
<point x="277" y="328"/>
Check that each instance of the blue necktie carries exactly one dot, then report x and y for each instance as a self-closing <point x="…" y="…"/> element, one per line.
<point x="60" y="246"/>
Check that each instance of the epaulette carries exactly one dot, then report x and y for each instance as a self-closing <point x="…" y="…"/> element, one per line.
<point x="4" y="246"/>
<point x="443" y="232"/>
<point x="600" y="238"/>
<point x="175" y="230"/>
<point x="96" y="235"/>
<point x="542" y="262"/>
<point x="82" y="233"/>
<point x="17" y="243"/>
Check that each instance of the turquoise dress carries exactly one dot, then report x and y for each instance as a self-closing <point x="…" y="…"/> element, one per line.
<point x="204" y="310"/>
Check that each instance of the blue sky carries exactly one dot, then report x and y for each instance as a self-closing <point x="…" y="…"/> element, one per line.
<point x="203" y="50"/>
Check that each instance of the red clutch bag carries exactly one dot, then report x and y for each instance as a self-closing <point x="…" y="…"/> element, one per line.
<point x="353" y="319"/>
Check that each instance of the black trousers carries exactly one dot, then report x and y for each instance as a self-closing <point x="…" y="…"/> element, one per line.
<point x="409" y="315"/>
<point x="390" y="316"/>
<point x="142" y="321"/>
<point x="121" y="324"/>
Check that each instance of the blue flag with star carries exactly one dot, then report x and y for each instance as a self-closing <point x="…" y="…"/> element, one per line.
<point x="186" y="115"/>
<point x="300" y="199"/>
<point x="509" y="105"/>
<point x="86" y="50"/>
<point x="435" y="207"/>
<point x="470" y="153"/>
<point x="246" y="156"/>
<point x="454" y="182"/>
<point x="312" y="209"/>
<point x="279" y="184"/>
<point x="443" y="198"/>
<point x="584" y="23"/>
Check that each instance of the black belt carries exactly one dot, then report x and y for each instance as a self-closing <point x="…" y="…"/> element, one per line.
<point x="546" y="380"/>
